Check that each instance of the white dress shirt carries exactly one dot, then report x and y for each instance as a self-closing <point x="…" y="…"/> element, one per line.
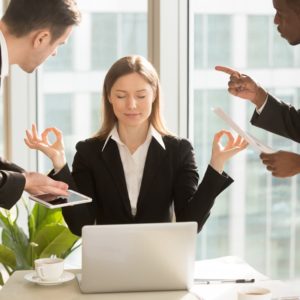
<point x="4" y="58"/>
<point x="259" y="110"/>
<point x="133" y="164"/>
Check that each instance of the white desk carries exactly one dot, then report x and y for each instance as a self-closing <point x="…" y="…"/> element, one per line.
<point x="17" y="288"/>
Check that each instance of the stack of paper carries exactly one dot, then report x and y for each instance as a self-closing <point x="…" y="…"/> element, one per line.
<point x="233" y="268"/>
<point x="227" y="267"/>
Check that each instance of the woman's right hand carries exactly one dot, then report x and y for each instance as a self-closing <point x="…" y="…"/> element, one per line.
<point x="55" y="151"/>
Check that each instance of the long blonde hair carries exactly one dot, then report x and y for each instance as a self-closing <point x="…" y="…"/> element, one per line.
<point x="124" y="66"/>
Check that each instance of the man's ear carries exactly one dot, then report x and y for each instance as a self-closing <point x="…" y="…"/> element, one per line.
<point x="41" y="38"/>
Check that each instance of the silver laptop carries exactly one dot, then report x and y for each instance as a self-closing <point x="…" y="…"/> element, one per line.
<point x="138" y="257"/>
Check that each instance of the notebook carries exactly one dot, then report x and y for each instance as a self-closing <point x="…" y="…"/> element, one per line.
<point x="138" y="257"/>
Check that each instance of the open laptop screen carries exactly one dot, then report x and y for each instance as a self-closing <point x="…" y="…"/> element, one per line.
<point x="138" y="257"/>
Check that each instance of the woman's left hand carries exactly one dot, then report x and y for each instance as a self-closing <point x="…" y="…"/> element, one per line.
<point x="220" y="154"/>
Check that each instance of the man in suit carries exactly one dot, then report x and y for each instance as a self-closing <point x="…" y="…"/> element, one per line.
<point x="30" y="32"/>
<point x="270" y="113"/>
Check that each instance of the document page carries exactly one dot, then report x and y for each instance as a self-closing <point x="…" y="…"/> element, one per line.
<point x="226" y="267"/>
<point x="253" y="141"/>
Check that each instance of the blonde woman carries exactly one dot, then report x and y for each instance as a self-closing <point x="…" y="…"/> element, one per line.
<point x="133" y="168"/>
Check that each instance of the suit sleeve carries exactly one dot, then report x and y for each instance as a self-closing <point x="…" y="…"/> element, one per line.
<point x="12" y="184"/>
<point x="193" y="202"/>
<point x="80" y="180"/>
<point x="279" y="118"/>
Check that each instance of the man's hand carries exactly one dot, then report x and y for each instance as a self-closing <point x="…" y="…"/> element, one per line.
<point x="282" y="163"/>
<point x="243" y="86"/>
<point x="37" y="184"/>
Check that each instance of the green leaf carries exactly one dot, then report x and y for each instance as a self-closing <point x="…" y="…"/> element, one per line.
<point x="4" y="222"/>
<point x="16" y="240"/>
<point x="54" y="239"/>
<point x="42" y="216"/>
<point x="1" y="279"/>
<point x="7" y="257"/>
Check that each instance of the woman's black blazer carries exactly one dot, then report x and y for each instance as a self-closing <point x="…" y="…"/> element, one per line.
<point x="170" y="180"/>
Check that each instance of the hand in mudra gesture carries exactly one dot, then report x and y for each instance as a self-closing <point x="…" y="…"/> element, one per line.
<point x="55" y="151"/>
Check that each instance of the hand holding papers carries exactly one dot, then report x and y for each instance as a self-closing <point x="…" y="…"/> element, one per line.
<point x="254" y="142"/>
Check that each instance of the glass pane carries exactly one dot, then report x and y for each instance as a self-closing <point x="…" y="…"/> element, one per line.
<point x="258" y="37"/>
<point x="218" y="40"/>
<point x="134" y="39"/>
<point x="70" y="84"/>
<point x="104" y="42"/>
<point x="212" y="40"/>
<point x="286" y="53"/>
<point x="1" y="125"/>
<point x="64" y="61"/>
<point x="256" y="218"/>
<point x="268" y="44"/>
<point x="199" y="41"/>
<point x="127" y="34"/>
<point x="1" y="108"/>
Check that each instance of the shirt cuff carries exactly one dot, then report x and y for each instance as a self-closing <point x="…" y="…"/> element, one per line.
<point x="259" y="110"/>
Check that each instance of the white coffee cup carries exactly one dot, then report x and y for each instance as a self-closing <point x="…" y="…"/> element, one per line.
<point x="49" y="269"/>
<point x="254" y="293"/>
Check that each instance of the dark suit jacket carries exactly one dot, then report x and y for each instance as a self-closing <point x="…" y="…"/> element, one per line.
<point x="12" y="182"/>
<point x="280" y="118"/>
<point x="170" y="179"/>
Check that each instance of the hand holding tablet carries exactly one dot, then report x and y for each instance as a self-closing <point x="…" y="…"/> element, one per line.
<point x="52" y="201"/>
<point x="253" y="141"/>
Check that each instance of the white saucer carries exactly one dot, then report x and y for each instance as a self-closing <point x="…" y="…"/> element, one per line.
<point x="32" y="277"/>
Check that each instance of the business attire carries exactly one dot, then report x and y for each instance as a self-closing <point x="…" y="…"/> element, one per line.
<point x="278" y="117"/>
<point x="12" y="182"/>
<point x="169" y="181"/>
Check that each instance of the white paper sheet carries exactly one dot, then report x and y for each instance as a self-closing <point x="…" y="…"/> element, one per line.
<point x="232" y="267"/>
<point x="253" y="141"/>
<point x="227" y="267"/>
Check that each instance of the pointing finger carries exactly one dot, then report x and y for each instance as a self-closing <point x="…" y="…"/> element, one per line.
<point x="228" y="71"/>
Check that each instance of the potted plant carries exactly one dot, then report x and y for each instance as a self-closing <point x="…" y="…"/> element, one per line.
<point x="47" y="235"/>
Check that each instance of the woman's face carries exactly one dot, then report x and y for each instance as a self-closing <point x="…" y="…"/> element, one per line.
<point x="131" y="98"/>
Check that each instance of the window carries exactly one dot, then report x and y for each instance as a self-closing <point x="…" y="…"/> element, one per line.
<point x="256" y="218"/>
<point x="1" y="109"/>
<point x="209" y="30"/>
<point x="126" y="35"/>
<point x="268" y="45"/>
<point x="70" y="84"/>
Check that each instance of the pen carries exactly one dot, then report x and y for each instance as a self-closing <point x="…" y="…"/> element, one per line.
<point x="210" y="281"/>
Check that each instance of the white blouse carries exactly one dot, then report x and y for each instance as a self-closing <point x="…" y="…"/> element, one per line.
<point x="133" y="164"/>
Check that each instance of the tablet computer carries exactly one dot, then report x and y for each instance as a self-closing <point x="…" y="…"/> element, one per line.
<point x="53" y="201"/>
<point x="253" y="141"/>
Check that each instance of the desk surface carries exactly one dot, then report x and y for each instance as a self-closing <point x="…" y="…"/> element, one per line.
<point x="18" y="288"/>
